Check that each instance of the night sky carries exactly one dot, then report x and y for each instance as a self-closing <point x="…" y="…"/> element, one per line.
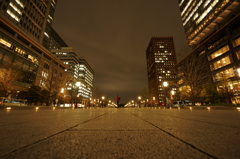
<point x="113" y="35"/>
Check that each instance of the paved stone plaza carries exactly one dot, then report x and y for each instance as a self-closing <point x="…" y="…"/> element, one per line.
<point x="120" y="133"/>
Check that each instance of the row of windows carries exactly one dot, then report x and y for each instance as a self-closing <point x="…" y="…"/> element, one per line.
<point x="219" y="52"/>
<point x="216" y="43"/>
<point x="20" y="51"/>
<point x="208" y="18"/>
<point x="28" y="69"/>
<point x="37" y="5"/>
<point x="31" y="26"/>
<point x="190" y="9"/>
<point x="228" y="73"/>
<point x="221" y="63"/>
<point x="13" y="15"/>
<point x="165" y="53"/>
<point x="225" y="60"/>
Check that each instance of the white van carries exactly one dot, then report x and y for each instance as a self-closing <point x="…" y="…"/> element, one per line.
<point x="12" y="102"/>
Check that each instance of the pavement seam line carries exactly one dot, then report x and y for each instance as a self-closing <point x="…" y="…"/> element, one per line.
<point x="206" y="122"/>
<point x="201" y="121"/>
<point x="36" y="142"/>
<point x="194" y="147"/>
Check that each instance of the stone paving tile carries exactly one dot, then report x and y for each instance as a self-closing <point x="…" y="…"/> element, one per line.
<point x="211" y="134"/>
<point x="110" y="144"/>
<point x="120" y="133"/>
<point x="23" y="127"/>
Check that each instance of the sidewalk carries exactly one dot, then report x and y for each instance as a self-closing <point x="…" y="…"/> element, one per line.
<point x="119" y="133"/>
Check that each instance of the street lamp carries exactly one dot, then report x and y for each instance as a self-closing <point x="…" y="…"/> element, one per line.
<point x="133" y="103"/>
<point x="78" y="84"/>
<point x="238" y="70"/>
<point x="103" y="98"/>
<point x="171" y="97"/>
<point x="154" y="101"/>
<point x="165" y="84"/>
<point x="139" y="98"/>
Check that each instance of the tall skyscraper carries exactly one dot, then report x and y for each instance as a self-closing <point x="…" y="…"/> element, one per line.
<point x="212" y="29"/>
<point x="79" y="71"/>
<point x="161" y="58"/>
<point x="203" y="18"/>
<point x="24" y="36"/>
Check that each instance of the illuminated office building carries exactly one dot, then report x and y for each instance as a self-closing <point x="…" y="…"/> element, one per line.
<point x="202" y="18"/>
<point x="212" y="29"/>
<point x="161" y="58"/>
<point x="79" y="71"/>
<point x="25" y="29"/>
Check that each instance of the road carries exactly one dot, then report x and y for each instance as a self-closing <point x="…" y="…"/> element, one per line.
<point x="120" y="133"/>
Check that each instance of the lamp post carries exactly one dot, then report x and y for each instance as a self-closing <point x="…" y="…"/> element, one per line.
<point x="103" y="100"/>
<point x="154" y="101"/>
<point x="133" y="103"/>
<point x="78" y="84"/>
<point x="139" y="98"/>
<point x="62" y="96"/>
<point x="171" y="97"/>
<point x="165" y="84"/>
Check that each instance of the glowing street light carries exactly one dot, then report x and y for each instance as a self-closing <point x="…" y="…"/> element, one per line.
<point x="78" y="84"/>
<point x="165" y="84"/>
<point x="62" y="90"/>
<point x="139" y="98"/>
<point x="238" y="70"/>
<point x="103" y="98"/>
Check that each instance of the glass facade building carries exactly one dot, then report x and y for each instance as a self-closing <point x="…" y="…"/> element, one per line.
<point x="23" y="32"/>
<point x="212" y="30"/>
<point x="161" y="59"/>
<point x="79" y="71"/>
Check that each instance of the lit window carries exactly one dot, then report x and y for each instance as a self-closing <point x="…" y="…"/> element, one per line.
<point x="224" y="75"/>
<point x="13" y="15"/>
<point x="219" y="52"/>
<point x="50" y="17"/>
<point x="20" y="51"/>
<point x="15" y="8"/>
<point x="237" y="42"/>
<point x="223" y="62"/>
<point x="20" y="3"/>
<point x="4" y="42"/>
<point x="46" y="34"/>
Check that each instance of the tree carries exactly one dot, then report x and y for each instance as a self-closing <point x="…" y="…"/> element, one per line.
<point x="52" y="87"/>
<point x="194" y="72"/>
<point x="224" y="90"/>
<point x="145" y="96"/>
<point x="34" y="95"/>
<point x="8" y="75"/>
<point x="209" y="94"/>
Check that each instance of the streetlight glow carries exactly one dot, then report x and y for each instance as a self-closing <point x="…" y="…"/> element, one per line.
<point x="238" y="70"/>
<point x="78" y="84"/>
<point x="165" y="84"/>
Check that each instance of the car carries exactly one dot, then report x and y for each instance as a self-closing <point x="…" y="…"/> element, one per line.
<point x="187" y="102"/>
<point x="177" y="104"/>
